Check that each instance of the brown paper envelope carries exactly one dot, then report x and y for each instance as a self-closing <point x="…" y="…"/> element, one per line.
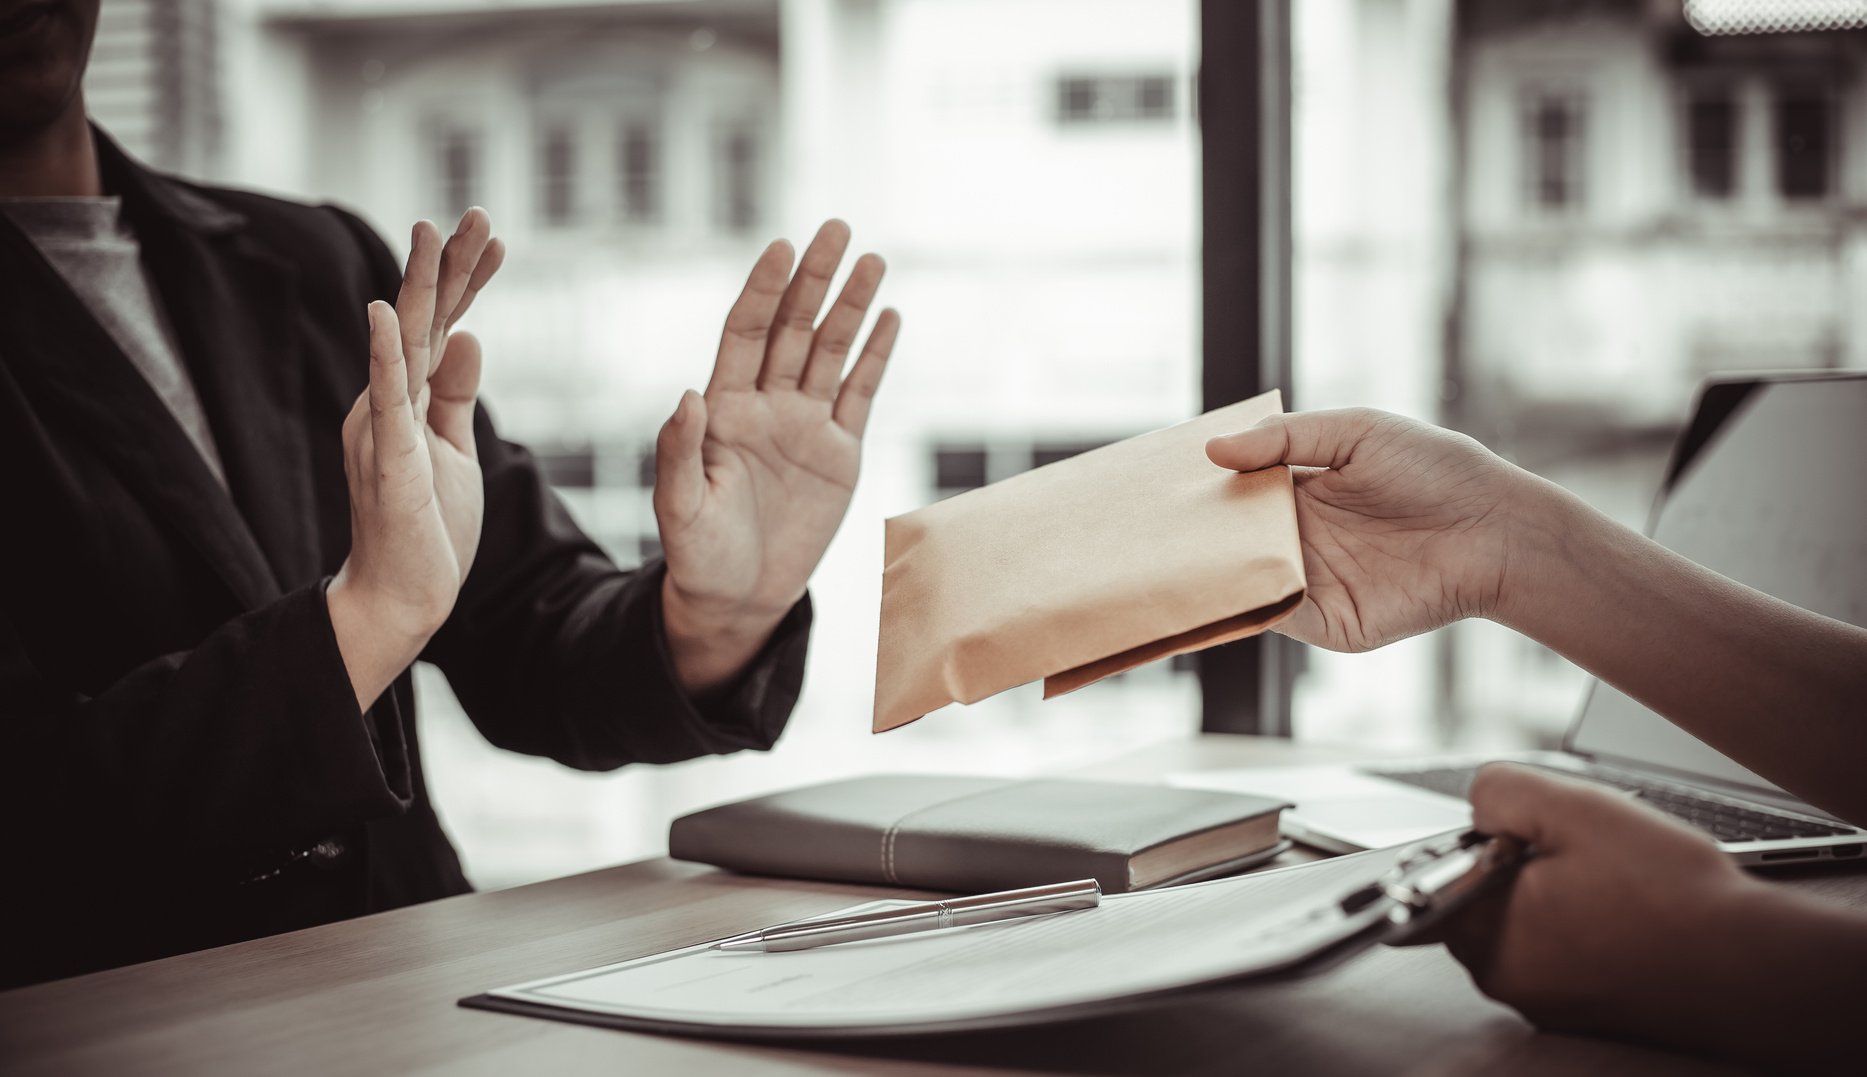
<point x="1084" y="568"/>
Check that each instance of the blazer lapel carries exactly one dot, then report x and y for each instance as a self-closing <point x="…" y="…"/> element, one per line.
<point x="80" y="371"/>
<point x="234" y="307"/>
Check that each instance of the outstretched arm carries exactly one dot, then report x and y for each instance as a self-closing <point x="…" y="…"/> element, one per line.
<point x="1407" y="527"/>
<point x="1777" y="688"/>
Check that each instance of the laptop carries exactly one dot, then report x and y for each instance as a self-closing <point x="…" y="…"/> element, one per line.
<point x="1764" y="486"/>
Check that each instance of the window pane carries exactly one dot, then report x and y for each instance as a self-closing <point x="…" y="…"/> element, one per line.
<point x="1554" y="148"/>
<point x="1114" y="98"/>
<point x="456" y="170"/>
<point x="957" y="469"/>
<point x="568" y="467"/>
<point x="1804" y="127"/>
<point x="1051" y="453"/>
<point x="557" y="176"/>
<point x="1156" y="97"/>
<point x="1076" y="99"/>
<point x="1712" y="143"/>
<point x="638" y="169"/>
<point x="736" y="204"/>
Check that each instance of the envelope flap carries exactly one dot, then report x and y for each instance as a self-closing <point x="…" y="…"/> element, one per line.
<point x="1090" y="557"/>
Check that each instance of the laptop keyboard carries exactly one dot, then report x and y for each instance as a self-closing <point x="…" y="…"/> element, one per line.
<point x="1722" y="819"/>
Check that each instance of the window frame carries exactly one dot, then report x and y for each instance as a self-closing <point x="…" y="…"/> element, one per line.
<point x="1114" y="98"/>
<point x="1692" y="92"/>
<point x="442" y="136"/>
<point x="1243" y="107"/>
<point x="650" y="210"/>
<point x="1534" y="101"/>
<point x="738" y="184"/>
<point x="1779" y="94"/>
<point x="553" y="179"/>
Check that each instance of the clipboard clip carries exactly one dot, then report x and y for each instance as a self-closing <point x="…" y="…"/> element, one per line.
<point x="1437" y="878"/>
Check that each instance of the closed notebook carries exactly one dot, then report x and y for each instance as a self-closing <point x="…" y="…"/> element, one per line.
<point x="978" y="834"/>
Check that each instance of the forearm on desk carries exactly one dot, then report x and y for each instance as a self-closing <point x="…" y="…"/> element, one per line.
<point x="1777" y="688"/>
<point x="1779" y="987"/>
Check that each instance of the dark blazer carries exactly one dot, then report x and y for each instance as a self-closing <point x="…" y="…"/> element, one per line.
<point x="184" y="763"/>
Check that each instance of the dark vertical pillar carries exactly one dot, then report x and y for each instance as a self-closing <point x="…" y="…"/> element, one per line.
<point x="1244" y="104"/>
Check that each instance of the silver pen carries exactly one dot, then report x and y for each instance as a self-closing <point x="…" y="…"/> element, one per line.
<point x="928" y="916"/>
<point x="1437" y="878"/>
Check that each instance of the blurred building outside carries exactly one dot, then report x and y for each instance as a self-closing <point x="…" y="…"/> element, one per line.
<point x="1541" y="221"/>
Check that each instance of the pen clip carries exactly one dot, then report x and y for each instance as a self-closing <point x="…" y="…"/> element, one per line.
<point x="1434" y="880"/>
<point x="921" y="916"/>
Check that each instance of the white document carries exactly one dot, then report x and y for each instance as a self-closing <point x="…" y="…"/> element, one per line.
<point x="1132" y="944"/>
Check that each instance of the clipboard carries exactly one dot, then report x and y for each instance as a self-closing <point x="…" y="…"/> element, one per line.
<point x="1131" y="949"/>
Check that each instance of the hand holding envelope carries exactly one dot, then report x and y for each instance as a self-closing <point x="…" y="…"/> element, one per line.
<point x="1084" y="568"/>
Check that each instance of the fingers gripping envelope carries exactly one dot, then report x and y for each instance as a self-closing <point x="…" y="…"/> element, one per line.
<point x="1084" y="568"/>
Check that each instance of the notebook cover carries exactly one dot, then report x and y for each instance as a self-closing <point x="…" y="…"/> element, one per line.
<point x="951" y="833"/>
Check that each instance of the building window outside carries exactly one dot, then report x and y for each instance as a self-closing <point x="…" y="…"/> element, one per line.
<point x="557" y="175"/>
<point x="1155" y="98"/>
<point x="959" y="466"/>
<point x="456" y="156"/>
<point x="609" y="488"/>
<point x="736" y="177"/>
<point x="1051" y="452"/>
<point x="569" y="467"/>
<point x="1712" y="140"/>
<point x="1804" y="139"/>
<point x="1083" y="99"/>
<point x="638" y="172"/>
<point x="1554" y="132"/>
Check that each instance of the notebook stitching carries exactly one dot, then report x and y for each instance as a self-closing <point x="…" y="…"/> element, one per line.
<point x="888" y="836"/>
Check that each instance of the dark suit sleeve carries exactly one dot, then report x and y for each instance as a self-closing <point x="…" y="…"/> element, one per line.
<point x="555" y="651"/>
<point x="247" y="741"/>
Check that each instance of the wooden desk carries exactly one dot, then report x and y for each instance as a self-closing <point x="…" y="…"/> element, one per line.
<point x="377" y="995"/>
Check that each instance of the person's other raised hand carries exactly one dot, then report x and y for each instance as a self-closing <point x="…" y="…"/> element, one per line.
<point x="753" y="477"/>
<point x="1405" y="526"/>
<point x="416" y="497"/>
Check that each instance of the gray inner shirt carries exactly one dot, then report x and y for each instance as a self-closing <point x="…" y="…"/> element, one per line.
<point x="91" y="245"/>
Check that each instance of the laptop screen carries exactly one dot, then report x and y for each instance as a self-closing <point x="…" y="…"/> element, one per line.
<point x="1775" y="497"/>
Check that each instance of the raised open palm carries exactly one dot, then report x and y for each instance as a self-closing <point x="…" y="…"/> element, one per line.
<point x="415" y="490"/>
<point x="753" y="478"/>
<point x="1401" y="529"/>
<point x="416" y="500"/>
